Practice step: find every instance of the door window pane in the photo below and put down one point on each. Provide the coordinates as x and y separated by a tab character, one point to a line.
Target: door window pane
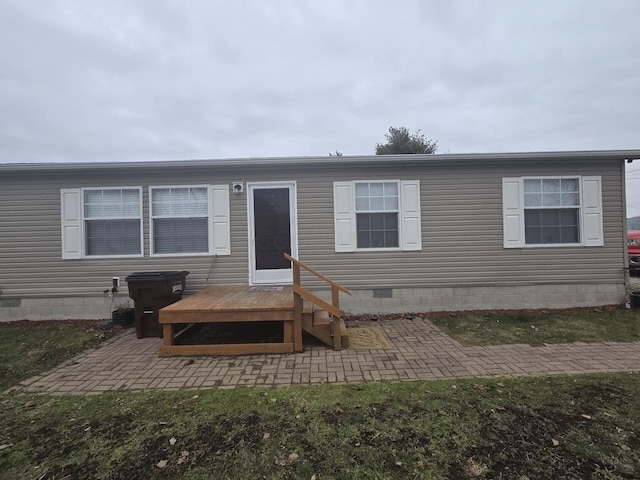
272	228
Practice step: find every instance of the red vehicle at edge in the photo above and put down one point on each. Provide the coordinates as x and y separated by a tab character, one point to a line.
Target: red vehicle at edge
633	243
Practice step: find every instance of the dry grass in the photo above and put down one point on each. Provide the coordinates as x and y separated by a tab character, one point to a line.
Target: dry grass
610	324
535	427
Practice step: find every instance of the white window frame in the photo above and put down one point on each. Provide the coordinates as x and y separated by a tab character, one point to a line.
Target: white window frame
276	276
590	227
74	242
217	221
153	217
84	219
409	218
72	222
396	211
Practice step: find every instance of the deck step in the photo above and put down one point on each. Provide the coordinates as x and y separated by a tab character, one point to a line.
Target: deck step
307	313
307	307
321	318
319	325
344	334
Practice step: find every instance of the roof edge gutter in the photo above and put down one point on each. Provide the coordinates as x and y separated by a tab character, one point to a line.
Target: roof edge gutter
628	155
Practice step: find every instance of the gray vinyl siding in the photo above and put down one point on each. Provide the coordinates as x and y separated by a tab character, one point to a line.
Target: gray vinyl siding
462	242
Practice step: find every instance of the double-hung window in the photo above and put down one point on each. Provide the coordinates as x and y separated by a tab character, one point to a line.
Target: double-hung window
107	222
112	221
101	222
377	212
377	215
552	211
179	220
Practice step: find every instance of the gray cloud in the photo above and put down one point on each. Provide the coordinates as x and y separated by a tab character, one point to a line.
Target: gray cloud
120	80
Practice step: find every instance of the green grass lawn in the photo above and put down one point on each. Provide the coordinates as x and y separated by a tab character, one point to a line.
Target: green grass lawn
553	326
584	426
27	351
535	428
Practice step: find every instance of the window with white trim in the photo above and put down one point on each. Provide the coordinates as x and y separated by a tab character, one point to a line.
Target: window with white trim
552	211
377	215
107	222
179	220
112	221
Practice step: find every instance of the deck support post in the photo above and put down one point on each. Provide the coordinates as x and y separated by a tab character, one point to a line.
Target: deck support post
167	334
297	311
335	300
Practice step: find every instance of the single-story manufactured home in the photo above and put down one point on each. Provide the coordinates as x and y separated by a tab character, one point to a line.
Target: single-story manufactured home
404	233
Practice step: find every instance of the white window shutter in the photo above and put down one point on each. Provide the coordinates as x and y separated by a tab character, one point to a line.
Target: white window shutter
592	212
512	213
344	216
71	216
220	232
410	215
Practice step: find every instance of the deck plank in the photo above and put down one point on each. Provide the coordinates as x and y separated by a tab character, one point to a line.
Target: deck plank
231	304
234	299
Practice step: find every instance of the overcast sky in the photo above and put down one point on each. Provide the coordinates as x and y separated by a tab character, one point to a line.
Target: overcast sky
128	80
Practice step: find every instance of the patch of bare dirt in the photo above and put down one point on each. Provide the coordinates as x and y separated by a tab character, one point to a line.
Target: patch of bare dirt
523	447
410	316
52	323
105	328
517	442
218	441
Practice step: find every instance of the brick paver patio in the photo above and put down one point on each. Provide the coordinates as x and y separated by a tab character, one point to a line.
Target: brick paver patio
421	352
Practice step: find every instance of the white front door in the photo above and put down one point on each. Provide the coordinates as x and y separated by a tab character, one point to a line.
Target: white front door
272	232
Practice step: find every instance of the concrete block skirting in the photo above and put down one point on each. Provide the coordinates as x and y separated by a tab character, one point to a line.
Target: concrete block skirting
62	308
483	298
392	300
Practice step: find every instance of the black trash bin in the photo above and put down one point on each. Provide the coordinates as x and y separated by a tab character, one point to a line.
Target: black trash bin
634	299
150	292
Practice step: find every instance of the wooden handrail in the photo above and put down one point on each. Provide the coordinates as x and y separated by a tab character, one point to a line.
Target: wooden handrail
299	293
333	310
319	275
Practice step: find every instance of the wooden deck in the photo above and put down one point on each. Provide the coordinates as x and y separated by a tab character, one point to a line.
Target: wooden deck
232	304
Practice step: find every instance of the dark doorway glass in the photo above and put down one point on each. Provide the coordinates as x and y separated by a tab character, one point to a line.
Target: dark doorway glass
272	228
